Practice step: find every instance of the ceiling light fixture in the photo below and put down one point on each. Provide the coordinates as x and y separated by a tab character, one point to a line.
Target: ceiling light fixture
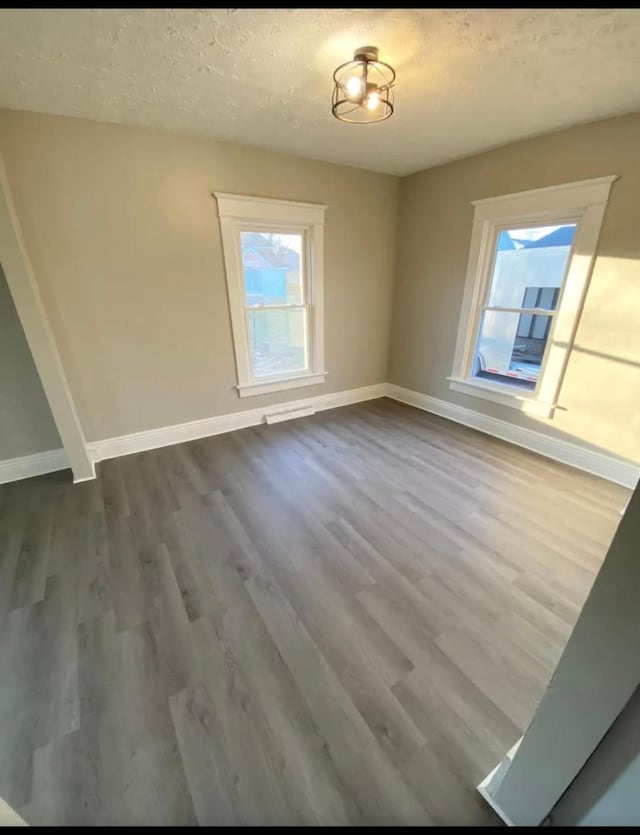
363	88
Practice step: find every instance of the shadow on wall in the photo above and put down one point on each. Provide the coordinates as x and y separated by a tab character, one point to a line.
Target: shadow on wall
610	357
599	402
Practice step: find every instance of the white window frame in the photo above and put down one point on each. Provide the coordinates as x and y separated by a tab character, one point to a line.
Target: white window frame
583	203
240	213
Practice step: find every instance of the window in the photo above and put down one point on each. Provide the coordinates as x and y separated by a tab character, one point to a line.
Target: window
529	264
273	253
511	342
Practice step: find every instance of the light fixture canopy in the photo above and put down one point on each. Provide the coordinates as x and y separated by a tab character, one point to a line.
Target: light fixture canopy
363	88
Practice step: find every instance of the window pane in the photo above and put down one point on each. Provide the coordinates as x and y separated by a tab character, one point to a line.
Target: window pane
272	266
529	266
511	347
277	339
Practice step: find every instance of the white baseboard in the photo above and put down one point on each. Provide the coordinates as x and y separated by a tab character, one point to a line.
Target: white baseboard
482	791
191	431
86	478
27	466
598	463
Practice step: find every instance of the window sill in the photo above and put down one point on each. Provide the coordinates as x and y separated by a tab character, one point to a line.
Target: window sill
284	383
501	395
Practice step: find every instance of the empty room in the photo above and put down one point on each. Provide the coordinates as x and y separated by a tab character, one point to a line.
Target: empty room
319	417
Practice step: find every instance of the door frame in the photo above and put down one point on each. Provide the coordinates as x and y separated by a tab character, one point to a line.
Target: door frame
25	293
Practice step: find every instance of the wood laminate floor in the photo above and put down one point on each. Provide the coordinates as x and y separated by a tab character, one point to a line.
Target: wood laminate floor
347	618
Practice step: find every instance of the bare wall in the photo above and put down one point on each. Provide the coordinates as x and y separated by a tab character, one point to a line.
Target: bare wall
124	239
600	397
605	792
26	422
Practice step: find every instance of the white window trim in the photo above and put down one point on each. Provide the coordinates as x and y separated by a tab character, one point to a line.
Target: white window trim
236	212
583	202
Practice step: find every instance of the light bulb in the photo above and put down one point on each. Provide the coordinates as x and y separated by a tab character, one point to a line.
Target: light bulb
373	100
354	86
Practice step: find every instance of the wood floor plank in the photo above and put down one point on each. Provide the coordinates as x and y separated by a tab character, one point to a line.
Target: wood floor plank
31	569
515	692
456	717
246	787
344	619
379	791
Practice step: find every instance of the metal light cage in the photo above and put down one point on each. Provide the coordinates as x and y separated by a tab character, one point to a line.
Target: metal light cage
375	77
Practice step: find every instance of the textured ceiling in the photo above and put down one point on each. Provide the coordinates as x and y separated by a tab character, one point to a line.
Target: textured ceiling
467	79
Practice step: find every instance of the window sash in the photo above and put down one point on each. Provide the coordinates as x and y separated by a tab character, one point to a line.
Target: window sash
281	229
488	267
534	311
306	279
307	341
275	306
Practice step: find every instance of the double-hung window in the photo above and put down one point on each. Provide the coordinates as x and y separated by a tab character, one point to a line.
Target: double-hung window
530	259
273	253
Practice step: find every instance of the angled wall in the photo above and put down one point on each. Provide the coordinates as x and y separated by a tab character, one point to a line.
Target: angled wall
26	423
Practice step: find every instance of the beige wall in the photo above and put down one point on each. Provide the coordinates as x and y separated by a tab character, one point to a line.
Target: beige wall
26	423
124	239
600	397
